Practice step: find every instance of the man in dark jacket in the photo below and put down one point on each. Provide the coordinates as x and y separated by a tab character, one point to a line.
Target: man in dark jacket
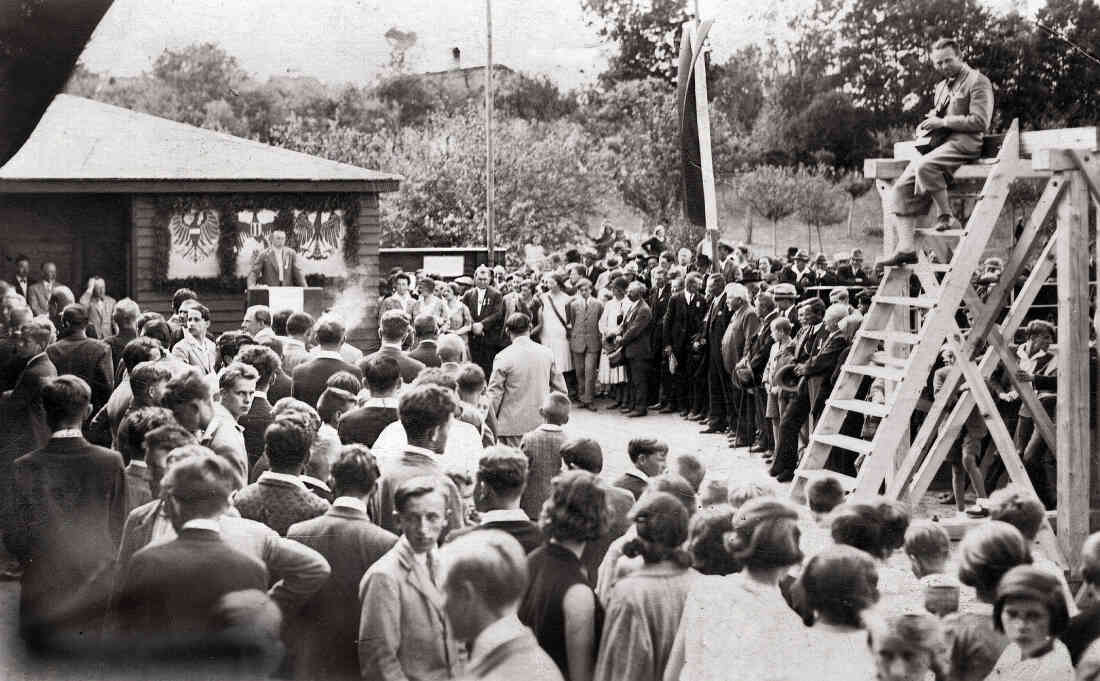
659	378
685	312
69	508
364	424
426	330
310	376
487	309
637	349
74	353
394	329
759	352
714	329
259	416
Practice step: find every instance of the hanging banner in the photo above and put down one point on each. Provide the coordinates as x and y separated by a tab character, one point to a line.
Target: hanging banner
194	244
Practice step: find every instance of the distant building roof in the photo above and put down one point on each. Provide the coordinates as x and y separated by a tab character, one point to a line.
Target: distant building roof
81	145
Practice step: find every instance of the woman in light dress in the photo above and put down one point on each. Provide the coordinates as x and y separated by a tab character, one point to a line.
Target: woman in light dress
459	319
739	626
430	304
614	378
555	330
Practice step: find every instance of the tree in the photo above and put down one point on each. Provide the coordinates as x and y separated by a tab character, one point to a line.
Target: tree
737	86
532	98
770	192
408	94
198	74
647	35
831	123
854	185
818	201
1071	79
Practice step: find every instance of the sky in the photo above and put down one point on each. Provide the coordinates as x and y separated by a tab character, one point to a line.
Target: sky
341	41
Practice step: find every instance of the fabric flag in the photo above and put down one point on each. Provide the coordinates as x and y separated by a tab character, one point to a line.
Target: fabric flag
694	205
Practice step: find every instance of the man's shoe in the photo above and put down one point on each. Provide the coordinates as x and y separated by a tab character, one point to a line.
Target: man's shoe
945	222
785	476
712	429
757	448
656	405
669	409
740	444
636	413
897	259
589	406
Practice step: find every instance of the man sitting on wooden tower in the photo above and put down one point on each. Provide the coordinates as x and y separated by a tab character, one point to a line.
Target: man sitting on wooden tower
949	136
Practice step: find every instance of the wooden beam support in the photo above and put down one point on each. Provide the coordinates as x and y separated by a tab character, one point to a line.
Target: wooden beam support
1032	143
1073	375
892	168
1026	391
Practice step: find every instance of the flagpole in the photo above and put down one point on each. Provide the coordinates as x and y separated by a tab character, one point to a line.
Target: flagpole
706	161
489	214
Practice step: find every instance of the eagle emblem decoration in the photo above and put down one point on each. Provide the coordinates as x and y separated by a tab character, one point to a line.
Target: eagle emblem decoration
318	233
195	233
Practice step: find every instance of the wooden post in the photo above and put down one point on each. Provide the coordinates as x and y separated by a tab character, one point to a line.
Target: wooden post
490	227
889	218
1073	375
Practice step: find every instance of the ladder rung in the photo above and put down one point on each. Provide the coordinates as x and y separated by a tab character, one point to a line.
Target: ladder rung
861	407
846	481
886	359
937	267
891	336
886	373
920	301
945	234
852	444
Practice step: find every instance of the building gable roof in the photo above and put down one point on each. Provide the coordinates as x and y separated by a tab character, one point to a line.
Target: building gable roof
81	145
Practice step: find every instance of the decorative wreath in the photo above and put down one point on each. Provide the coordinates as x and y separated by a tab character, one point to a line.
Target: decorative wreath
227	207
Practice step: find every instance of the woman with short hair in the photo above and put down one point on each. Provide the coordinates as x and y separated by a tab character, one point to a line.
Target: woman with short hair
909	647
560	606
739	626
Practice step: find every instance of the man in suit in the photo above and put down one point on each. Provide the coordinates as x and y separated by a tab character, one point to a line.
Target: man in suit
502	475
759	351
364	424
963	111
279	498
257	323
21	284
659	386
24	418
282	385
393	330
786	295
584	341
12	361
100	307
591	270
277	265
328	625
189	397
38	295
523	374
714	330
90	359
637	350
742	327
816	354
125	321
309	377
195	348
69	507
487	309
404	632
259	416
161	603
682	319
486	578
298	326
426	330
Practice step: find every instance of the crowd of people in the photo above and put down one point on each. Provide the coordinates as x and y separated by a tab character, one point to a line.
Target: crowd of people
272	502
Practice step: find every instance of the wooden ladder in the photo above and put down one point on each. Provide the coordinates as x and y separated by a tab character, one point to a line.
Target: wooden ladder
905	375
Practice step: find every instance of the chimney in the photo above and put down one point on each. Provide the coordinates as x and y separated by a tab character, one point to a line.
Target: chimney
456	55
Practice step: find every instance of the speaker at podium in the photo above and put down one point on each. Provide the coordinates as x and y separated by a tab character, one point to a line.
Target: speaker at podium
308	299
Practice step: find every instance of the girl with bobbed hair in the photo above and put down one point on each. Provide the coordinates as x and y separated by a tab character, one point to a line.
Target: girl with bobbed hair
1031	612
559	606
837	586
909	647
644	608
878	527
739	625
986	554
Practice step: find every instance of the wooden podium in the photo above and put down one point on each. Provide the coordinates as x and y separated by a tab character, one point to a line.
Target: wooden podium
308	299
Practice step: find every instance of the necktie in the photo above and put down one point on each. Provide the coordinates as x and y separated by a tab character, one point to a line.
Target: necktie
480	301
433	570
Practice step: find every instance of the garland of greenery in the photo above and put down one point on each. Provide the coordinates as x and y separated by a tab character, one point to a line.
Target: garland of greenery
227	207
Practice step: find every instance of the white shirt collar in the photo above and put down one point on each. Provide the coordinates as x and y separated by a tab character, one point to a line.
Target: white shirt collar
318	353
259	393
395	346
320	484
203	524
637	472
388	402
138	464
282	477
354	503
551	427
291	341
502	515
507	628
421	450
67	432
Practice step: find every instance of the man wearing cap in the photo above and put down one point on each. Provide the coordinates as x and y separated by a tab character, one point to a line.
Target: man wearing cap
655	244
797	271
591	269
786	295
823	274
728	261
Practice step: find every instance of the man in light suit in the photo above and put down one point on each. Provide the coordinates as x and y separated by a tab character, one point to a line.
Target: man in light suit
963	111
486	578
277	265
735	346
523	374
487	309
403	630
584	341
38	294
637	348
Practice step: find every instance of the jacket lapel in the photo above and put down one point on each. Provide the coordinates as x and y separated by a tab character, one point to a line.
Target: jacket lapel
418	577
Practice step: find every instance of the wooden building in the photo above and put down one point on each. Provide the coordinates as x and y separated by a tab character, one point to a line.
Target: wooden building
98	190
